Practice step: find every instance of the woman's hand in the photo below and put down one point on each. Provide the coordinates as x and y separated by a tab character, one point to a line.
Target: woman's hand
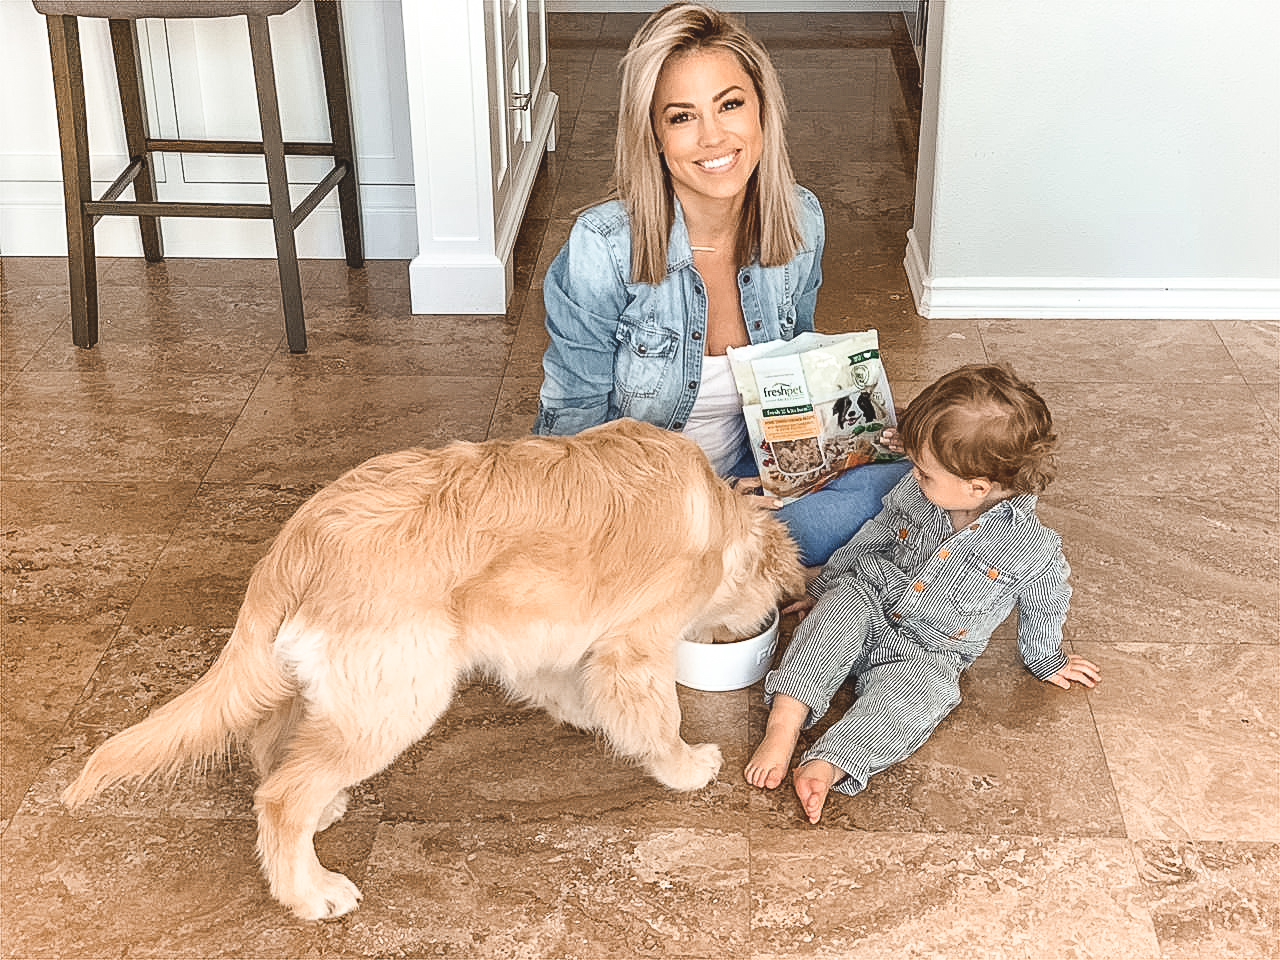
752	487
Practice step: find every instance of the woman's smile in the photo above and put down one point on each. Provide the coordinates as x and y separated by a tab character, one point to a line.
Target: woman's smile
718	164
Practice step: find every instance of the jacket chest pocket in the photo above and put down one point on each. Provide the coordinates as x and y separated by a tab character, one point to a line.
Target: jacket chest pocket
645	354
908	544
786	318
980	586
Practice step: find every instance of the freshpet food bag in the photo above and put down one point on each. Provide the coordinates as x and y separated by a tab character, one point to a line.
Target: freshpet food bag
815	406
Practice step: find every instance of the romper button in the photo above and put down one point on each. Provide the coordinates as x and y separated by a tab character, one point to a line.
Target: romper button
917	586
943	554
993	573
902	533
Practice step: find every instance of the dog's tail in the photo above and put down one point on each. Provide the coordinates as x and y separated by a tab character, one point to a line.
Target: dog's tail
240	688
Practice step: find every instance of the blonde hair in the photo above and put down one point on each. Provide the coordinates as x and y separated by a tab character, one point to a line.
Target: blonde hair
771	224
983	421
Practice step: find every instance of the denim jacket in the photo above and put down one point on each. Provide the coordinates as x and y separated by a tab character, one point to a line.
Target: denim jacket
624	349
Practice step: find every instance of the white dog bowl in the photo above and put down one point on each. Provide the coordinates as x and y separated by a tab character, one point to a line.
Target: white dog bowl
726	666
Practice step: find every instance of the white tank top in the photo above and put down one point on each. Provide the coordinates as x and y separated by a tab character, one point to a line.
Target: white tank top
715	423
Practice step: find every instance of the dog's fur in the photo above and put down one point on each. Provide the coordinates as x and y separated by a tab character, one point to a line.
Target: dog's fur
565	567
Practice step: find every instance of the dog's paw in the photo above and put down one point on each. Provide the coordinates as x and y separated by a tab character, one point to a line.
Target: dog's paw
688	768
331	896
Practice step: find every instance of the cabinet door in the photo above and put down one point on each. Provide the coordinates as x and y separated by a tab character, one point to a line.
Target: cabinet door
519	31
535	20
213	91
510	26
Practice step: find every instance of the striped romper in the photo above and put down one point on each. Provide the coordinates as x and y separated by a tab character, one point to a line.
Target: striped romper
908	604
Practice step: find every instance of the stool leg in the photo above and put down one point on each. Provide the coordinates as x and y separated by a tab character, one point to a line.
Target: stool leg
73	135
277	183
124	42
337	96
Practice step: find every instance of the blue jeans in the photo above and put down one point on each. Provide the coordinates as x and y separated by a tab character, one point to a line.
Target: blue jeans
823	521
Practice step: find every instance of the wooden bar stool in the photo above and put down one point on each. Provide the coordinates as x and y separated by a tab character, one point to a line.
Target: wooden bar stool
83	211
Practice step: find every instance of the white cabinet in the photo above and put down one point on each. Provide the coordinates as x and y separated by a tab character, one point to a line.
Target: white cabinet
482	115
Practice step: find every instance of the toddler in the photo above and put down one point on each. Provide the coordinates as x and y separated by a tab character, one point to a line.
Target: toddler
911	600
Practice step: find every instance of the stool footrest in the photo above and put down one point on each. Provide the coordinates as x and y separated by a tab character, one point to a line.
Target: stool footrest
318	193
160	208
291	148
127	176
109	206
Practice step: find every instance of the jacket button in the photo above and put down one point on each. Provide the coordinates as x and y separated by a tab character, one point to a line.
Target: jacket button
677	425
746	278
696	335
693	384
642	349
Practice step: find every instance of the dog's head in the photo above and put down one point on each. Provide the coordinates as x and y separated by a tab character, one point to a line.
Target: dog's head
842	411
761	568
644	498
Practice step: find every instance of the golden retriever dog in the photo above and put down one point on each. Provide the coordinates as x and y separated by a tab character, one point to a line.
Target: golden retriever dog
564	567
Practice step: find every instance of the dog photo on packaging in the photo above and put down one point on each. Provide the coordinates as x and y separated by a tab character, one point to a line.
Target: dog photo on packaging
566	568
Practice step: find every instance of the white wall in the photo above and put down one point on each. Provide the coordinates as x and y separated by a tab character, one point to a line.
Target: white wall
1100	158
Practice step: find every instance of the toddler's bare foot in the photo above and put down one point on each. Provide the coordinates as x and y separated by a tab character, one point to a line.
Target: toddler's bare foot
768	765
771	760
813	781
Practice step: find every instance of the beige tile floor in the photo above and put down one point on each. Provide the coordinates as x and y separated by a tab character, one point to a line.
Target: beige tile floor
143	478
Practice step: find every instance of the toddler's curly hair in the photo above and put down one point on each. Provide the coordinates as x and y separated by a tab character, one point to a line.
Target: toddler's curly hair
983	421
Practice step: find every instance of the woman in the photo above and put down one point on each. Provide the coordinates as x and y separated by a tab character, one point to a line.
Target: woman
708	243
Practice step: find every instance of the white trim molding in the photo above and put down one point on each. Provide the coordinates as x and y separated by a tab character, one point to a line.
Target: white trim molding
1098	298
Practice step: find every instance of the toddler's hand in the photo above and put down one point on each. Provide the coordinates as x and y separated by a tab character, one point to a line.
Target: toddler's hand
801	607
890	438
1078	669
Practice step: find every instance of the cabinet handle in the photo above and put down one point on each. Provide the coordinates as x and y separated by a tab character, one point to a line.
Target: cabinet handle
521	101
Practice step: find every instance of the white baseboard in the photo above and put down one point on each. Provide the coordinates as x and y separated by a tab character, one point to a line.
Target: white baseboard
453	285
1099	298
